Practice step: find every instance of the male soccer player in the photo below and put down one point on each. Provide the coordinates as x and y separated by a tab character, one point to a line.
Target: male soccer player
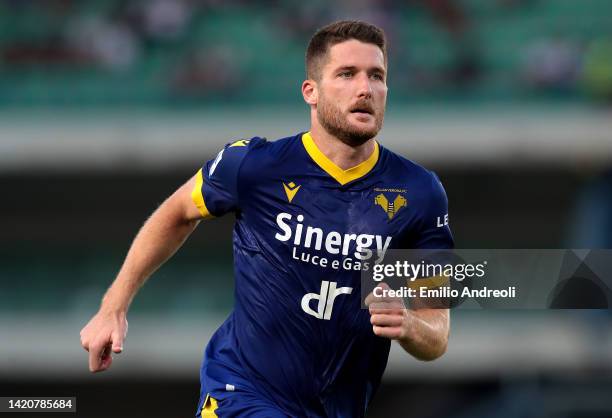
311	211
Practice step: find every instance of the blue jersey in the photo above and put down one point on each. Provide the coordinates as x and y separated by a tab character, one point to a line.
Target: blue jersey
297	338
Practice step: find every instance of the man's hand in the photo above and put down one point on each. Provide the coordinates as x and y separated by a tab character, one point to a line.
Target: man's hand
423	332
389	316
102	336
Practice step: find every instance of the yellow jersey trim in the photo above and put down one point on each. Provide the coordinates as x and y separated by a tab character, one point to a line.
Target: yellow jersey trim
240	143
340	175
197	197
209	407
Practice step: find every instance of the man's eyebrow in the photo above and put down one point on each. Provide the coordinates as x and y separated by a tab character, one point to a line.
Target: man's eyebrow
346	67
354	68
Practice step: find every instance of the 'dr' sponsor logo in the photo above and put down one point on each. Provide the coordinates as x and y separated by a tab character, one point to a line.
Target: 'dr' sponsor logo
325	298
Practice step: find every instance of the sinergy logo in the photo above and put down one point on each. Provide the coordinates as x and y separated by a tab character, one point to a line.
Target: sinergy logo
363	246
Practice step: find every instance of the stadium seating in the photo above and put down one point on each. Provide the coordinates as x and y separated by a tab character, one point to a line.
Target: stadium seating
272	59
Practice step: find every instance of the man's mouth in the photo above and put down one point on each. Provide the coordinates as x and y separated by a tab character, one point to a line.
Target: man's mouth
362	110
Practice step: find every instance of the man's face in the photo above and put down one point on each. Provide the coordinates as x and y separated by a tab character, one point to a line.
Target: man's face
353	92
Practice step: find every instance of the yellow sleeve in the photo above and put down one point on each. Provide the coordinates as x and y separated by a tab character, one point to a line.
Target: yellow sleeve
198	197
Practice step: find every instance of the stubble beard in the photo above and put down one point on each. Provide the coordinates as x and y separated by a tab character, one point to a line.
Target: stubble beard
335	123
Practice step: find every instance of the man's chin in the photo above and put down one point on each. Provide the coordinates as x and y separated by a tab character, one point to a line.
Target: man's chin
352	131
358	135
363	130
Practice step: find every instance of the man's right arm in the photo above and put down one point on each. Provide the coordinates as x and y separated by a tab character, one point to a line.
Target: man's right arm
158	239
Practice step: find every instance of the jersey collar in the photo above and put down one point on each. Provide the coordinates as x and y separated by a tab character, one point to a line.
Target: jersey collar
341	176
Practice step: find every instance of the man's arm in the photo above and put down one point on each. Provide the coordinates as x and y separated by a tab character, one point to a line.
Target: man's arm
423	332
158	239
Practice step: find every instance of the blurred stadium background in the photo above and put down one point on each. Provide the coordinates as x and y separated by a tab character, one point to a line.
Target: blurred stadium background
107	106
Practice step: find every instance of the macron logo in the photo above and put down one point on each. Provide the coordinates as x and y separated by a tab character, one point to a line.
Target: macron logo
325	299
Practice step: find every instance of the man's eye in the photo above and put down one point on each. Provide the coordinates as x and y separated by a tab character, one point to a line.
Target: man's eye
346	74
378	77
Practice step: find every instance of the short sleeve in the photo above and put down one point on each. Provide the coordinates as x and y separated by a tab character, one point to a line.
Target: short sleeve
434	231
216	190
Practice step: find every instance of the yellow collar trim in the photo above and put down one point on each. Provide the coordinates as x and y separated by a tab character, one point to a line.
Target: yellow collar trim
340	175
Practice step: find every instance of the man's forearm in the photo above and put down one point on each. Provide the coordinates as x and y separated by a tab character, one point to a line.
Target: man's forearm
426	336
158	239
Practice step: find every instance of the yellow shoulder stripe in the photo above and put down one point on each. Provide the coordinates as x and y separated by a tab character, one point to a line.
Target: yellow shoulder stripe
340	175
198	198
240	143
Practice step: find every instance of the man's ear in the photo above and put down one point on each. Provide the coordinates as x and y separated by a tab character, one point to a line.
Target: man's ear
310	91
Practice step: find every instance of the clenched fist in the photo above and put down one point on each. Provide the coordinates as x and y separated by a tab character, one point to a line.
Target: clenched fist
422	332
388	315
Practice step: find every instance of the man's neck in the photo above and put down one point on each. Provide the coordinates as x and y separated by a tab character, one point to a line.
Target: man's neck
343	155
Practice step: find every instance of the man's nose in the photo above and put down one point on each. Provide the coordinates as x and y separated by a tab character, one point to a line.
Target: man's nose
364	86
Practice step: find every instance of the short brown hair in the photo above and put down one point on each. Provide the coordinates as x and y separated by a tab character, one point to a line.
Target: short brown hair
335	33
